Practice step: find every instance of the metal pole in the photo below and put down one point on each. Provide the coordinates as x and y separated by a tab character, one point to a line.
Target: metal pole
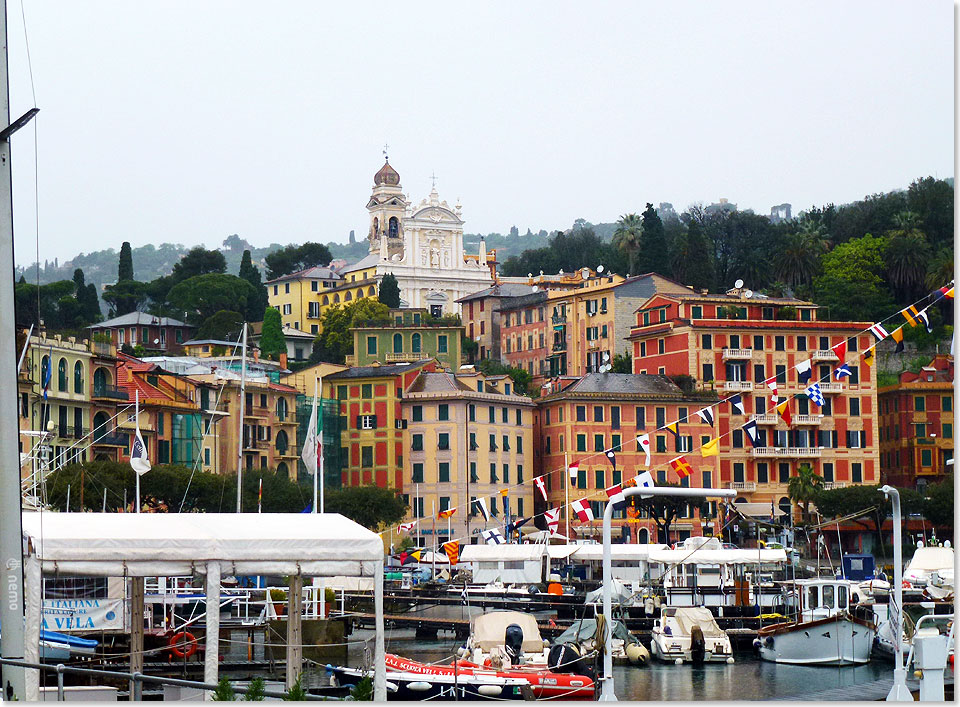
68	500
566	493
320	438
11	557
136	410
899	691
104	508
607	693
243	404
317	472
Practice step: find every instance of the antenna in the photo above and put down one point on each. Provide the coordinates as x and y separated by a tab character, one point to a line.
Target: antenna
738	284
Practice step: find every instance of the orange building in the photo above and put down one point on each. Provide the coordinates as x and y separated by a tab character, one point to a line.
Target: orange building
602	411
734	344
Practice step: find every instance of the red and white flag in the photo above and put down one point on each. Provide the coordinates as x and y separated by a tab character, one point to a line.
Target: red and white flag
538	482
553	519
583	510
644	442
573	469
406	527
772	385
615	494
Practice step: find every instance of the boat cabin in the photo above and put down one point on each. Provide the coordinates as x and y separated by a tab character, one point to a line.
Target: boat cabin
513	564
823	597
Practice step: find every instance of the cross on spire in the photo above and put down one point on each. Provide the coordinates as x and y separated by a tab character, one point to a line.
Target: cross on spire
385	148
433	179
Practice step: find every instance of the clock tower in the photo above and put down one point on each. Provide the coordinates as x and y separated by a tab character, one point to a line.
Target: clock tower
386	206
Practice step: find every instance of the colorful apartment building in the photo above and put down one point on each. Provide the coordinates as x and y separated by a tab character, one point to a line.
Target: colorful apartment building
153	333
411	335
481	315
916	425
107	399
467	436
572	332
297	296
734	344
577	423
371	429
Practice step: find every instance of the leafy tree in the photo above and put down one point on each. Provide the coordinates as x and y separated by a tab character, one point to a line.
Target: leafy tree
578	248
938	506
256	690
664	510
125	267
932	201
198	261
251	273
622	363
627	238
225	325
653	243
852	285
272	341
521	378
803	488
841	502
698	258
363	690
224	691
124	297
469	347
372	507
202	296
335	342
235	243
294	258
389	291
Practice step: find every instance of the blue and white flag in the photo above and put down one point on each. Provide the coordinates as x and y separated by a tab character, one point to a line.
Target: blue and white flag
644	480
47	374
813	392
842	371
706	414
803	371
493	536
751	429
138	455
736	401
482	505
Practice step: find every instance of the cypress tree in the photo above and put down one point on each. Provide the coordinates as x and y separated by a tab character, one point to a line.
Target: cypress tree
125	269
389	293
251	273
272	341
699	260
653	255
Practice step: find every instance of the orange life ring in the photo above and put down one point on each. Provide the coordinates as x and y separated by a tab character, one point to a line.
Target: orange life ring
189	639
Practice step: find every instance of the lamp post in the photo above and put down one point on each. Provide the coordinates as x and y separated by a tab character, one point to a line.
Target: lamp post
607	693
899	691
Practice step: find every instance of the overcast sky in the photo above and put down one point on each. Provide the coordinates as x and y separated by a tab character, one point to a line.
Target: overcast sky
188	121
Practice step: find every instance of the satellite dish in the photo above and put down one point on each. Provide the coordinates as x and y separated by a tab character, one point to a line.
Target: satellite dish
529	274
561	271
156	341
606	356
738	284
536	289
599	268
748	294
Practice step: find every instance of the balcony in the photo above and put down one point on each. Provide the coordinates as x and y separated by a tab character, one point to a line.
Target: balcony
558	319
827	355
737	385
560	345
831	387
402	357
807	419
109	392
742	485
765	418
729	354
785	452
827	485
109	438
350	360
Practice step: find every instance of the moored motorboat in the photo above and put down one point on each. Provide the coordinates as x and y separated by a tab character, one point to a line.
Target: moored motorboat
832	628
410	687
689	634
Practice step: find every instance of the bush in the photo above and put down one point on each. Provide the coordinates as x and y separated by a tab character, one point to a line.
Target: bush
224	691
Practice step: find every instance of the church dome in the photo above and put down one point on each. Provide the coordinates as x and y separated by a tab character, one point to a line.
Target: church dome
387	175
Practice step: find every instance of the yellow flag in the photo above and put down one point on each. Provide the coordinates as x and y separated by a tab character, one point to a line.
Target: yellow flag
503	492
672	427
868	356
711	448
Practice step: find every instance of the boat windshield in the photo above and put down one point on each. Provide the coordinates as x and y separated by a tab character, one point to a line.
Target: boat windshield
828	596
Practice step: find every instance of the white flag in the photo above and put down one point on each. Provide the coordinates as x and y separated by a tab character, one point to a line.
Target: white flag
644	480
482	505
311	443
644	441
538	482
138	456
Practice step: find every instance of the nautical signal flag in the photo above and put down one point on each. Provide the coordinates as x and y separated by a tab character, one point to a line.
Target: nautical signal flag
583	510
803	371
912	315
879	333
615	494
711	448
673	429
815	394
681	466
842	371
482	505
538	482
517	524
572	470
447	513
644	480
840	350
493	536
452	549
644	442
868	356
553	519
751	429
736	402
897	335
406	527
706	414
612	457
783	409
945	291
772	384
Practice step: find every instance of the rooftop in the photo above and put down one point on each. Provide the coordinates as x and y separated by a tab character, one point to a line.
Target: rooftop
317	272
368	261
377	371
504	289
139	318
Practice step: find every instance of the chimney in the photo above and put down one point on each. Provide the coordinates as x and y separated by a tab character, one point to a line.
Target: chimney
283	360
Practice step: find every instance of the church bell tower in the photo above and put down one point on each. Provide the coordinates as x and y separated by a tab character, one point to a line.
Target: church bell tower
386	207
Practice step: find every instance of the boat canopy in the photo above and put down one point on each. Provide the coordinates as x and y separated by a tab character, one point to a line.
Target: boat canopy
514	552
690	616
585	629
931	559
157	544
490	629
706	556
618	551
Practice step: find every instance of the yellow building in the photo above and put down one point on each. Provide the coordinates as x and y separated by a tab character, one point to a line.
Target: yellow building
304	379
298	296
467	437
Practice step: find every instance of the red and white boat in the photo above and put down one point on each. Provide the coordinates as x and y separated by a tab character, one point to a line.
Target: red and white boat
546	685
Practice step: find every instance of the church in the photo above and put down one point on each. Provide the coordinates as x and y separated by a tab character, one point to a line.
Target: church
422	246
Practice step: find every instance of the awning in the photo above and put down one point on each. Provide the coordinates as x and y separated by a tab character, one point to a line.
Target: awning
759	510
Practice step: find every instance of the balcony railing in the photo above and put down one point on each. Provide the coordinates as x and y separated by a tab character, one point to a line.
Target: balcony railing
807	419
71	431
737	353
560	345
765	418
737	385
109	438
831	387
558	319
404	356
827	355
827	485
785	452
110	392
743	485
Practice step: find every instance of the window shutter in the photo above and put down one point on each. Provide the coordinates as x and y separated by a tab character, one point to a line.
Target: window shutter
359	421
863	439
376	421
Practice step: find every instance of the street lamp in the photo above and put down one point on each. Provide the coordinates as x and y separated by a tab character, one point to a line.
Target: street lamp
899	691
607	693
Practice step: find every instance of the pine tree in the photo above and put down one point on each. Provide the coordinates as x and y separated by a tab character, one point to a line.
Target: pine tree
272	341
699	260
78	281
125	269
255	690
389	291
251	273
653	249
224	691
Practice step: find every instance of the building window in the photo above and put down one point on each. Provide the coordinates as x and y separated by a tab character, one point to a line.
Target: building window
947	404
598	445
738	472
919	403
855	407
62	375
598	413
921	429
947	430
493	443
661	444
472	413
581	413
707	372
443	475
827	471
581	443
762	477
443	440
78	377
417	473
415	343
801	343
366	390
367	422
641	414
416	443
856	473
780	343
442	343
492	414
706	341
372	345
418	413
443	412
697	312
366	456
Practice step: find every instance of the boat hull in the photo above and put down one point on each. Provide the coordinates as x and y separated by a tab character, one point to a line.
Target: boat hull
664	653
413	687
837	640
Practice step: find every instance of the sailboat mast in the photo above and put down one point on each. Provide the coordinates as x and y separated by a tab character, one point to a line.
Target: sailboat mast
11	552
243	412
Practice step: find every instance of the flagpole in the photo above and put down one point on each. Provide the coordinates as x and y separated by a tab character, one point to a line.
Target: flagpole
433	512
316	471
416	514
566	490
243	403
320	441
136	413
260	495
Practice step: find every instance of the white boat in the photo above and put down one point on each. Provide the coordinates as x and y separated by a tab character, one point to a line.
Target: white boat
689	635
928	561
487	644
832	628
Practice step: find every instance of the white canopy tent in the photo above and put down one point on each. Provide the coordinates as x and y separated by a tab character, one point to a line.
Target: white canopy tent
212	544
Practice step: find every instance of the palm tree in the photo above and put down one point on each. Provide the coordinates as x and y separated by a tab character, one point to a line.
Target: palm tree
798	260
907	257
940	270
627	238
804	487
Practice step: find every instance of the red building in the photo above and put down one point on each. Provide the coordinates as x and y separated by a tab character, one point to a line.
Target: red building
916	425
734	344
153	333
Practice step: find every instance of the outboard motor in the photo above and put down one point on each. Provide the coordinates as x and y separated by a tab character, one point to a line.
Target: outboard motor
566	658
697	645
513	642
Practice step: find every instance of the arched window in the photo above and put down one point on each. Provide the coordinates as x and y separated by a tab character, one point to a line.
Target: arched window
376	225
283	469
336	298
100	425
360	293
416	343
643	536
784	505
100	381
398	343
281	409
371	291
44	370
62	375
282	442
78	377
394	227
347	297
326	300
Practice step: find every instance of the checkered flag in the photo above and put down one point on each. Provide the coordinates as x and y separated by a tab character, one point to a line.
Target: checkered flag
814	393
